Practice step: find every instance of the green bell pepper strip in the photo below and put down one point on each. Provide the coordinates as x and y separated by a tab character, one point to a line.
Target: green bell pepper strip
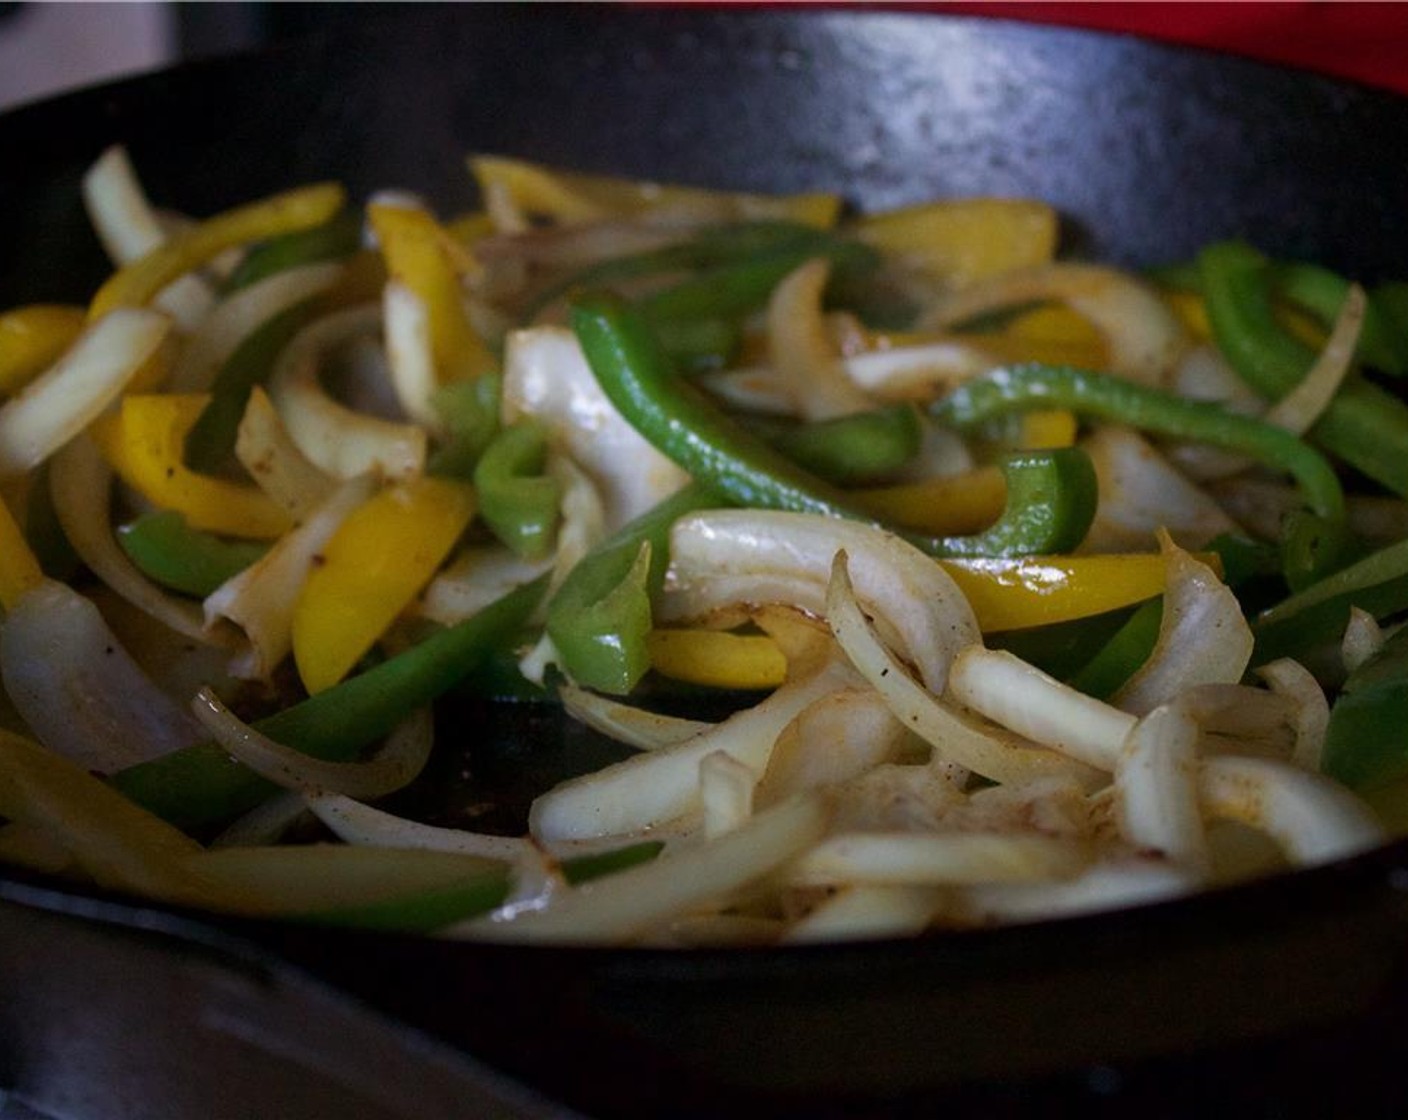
469	411
1104	397
1125	652
201	785
1364	743
1364	425
600	617
710	248
423	912
700	345
170	552
1050	495
1321	293
210	443
341	236
848	450
1317	615
583	869
517	501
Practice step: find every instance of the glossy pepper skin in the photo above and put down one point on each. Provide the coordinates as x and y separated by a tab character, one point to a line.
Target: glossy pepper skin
516	499
169	551
202	786
1358	752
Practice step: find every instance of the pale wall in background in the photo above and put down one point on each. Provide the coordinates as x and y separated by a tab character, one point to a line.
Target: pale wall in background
47	48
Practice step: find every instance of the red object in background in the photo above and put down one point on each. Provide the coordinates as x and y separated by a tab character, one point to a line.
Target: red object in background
1366	42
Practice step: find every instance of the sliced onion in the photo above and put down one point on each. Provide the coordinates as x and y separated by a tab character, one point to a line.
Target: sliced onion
1293	681
1143	336
1156	790
869	912
750	389
1204	374
367	826
341	441
266	823
654	788
1261	506
1105	886
629	904
756	556
261	598
1242	719
79	690
1313	819
1299	409
1141	493
395	766
725	793
81	484
546	376
1018	695
473	580
625	723
129	228
409	354
957	739
801	348
266	450
938	858
237	316
1363	637
63	400
1203	637
917	372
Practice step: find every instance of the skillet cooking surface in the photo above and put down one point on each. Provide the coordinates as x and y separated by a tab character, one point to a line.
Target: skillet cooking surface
1282	991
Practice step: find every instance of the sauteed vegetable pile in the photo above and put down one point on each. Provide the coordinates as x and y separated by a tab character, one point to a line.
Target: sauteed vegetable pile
1008	586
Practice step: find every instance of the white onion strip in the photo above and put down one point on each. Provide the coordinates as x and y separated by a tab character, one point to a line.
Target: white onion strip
368	826
1310	817
869	912
408	352
266	450
402	756
1298	410
938	858
1018	695
625	723
68	396
1292	680
958	740
1156	789
1105	886
725	793
801	349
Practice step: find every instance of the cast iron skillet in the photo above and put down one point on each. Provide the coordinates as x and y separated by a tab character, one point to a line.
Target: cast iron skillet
1280	995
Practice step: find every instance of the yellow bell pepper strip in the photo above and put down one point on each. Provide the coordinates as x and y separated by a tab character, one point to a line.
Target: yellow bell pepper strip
143	441
382	554
31	340
19	567
959	241
417	252
1009	593
338	237
571	197
171	553
137	283
200	786
956	504
1364	425
717	658
1050	495
1039	430
517	500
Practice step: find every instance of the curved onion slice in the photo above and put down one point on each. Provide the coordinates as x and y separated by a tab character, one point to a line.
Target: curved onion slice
1144	337
958	740
408	352
266	823
546	376
1203	637
79	690
938	858
260	599
1018	695
1298	410
1105	886
654	788
868	912
367	826
1310	817
266	450
625	723
1295	682
629	904
64	399
341	441
239	315
1363	637
81	483
473	580
395	766
801	348
725	793
915	372
129	228
723	557
1156	789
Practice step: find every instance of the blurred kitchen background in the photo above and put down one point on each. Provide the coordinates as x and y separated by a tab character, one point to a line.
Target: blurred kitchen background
49	47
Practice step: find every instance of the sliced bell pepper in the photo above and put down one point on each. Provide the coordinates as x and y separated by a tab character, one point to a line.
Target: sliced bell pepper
19	567
170	552
31	340
1364	743
143	441
717	658
469	413
571	197
382	554
137	283
517	501
421	254
340	236
849	450
956	242
962	503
